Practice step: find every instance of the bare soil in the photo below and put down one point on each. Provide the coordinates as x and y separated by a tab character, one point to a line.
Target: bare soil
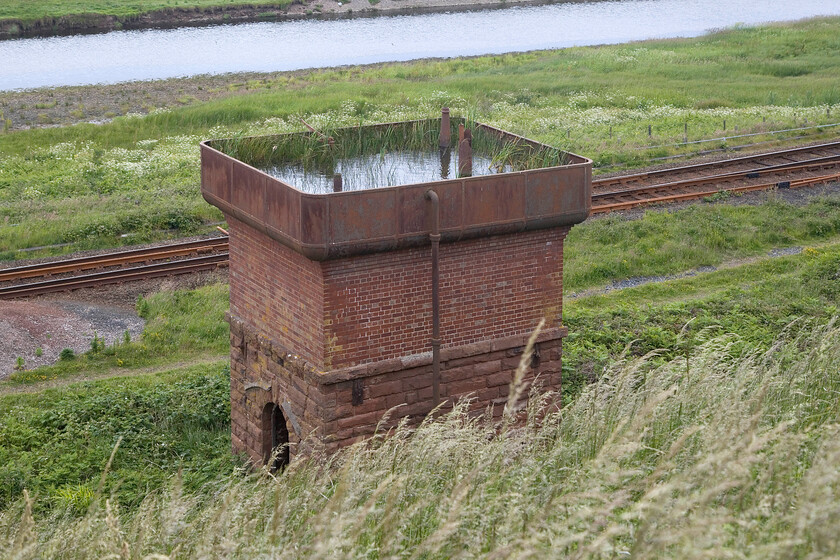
101	103
37	331
52	107
48	324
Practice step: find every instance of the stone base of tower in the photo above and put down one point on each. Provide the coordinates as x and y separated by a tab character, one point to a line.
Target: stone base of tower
326	410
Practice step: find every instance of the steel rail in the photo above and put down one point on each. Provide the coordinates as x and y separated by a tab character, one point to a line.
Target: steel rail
601	202
749	174
647	175
184	266
117	258
624	205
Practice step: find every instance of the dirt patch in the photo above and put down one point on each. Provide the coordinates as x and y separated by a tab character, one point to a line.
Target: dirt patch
52	107
38	329
101	103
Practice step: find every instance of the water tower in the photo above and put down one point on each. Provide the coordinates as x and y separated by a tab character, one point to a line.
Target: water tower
349	298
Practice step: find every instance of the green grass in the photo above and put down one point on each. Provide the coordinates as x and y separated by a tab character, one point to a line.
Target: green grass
29	11
90	184
311	152
180	325
691	405
709	425
615	247
703	456
754	303
700	414
56	442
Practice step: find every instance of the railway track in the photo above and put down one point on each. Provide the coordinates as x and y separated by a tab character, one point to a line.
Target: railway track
781	169
70	274
793	168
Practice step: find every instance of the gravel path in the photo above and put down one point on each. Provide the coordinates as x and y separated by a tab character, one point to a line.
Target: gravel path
642	280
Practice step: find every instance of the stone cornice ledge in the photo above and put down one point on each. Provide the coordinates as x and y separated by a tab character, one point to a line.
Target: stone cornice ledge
302	367
446	354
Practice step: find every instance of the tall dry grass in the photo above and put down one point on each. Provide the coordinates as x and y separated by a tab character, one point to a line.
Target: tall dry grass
705	456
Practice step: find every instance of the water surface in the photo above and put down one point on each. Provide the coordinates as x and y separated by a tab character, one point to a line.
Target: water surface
152	54
371	171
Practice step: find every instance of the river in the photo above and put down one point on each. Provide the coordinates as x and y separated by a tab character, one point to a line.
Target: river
270	46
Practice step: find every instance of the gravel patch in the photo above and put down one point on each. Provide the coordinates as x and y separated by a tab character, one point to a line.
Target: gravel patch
785	251
71	320
46	327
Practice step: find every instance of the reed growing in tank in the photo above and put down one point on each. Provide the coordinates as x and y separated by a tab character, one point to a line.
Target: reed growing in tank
385	154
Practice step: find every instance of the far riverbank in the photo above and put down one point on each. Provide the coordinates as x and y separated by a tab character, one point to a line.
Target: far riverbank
93	22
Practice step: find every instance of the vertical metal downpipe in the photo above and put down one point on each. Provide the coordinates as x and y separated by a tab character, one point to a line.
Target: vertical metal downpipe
434	237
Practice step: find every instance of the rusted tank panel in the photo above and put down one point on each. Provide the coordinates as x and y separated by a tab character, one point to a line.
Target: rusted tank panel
340	224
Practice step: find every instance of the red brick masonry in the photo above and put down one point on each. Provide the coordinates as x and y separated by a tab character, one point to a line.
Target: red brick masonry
367	308
319	406
306	334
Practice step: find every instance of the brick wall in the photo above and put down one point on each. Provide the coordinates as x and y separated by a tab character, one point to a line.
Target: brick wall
378	306
338	343
264	371
328	410
368	308
276	290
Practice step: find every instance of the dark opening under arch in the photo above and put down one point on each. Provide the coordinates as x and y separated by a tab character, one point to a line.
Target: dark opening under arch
275	437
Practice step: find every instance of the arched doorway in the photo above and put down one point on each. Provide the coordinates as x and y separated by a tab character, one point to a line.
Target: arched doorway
275	435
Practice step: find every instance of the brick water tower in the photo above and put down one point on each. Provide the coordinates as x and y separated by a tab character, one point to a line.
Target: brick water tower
349	298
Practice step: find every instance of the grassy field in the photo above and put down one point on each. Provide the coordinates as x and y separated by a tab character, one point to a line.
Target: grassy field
753	303
701	413
719	452
90	185
53	440
56	443
48	17
31	10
